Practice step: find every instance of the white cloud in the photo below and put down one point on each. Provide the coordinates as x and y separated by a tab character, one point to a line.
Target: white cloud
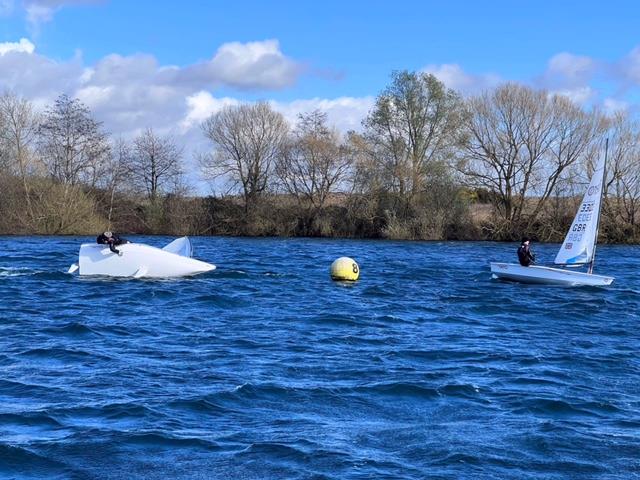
130	93
612	106
579	95
201	105
346	113
36	76
454	77
629	66
566	70
251	65
94	95
23	46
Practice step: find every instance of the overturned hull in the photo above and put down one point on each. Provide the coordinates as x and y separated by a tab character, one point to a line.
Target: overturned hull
137	261
547	275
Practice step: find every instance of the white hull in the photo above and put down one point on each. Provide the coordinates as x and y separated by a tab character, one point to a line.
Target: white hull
137	261
547	275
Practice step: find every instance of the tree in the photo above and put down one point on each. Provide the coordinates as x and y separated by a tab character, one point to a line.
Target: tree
624	171
247	139
412	126
154	163
17	134
314	162
115	172
72	143
519	143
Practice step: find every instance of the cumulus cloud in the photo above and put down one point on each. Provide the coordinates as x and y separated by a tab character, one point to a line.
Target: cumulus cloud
629	67
566	70
35	76
201	105
578	95
132	92
454	77
23	46
346	113
252	65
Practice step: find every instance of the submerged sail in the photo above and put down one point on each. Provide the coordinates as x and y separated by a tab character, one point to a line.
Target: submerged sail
579	244
180	246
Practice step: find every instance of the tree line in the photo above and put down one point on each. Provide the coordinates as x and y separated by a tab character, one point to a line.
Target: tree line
426	164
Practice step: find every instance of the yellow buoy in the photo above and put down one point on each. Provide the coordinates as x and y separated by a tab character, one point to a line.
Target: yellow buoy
345	268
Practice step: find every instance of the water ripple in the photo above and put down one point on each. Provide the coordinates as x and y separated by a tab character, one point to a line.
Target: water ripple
265	368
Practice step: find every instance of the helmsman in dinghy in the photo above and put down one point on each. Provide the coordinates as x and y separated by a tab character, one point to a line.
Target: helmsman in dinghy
525	256
108	238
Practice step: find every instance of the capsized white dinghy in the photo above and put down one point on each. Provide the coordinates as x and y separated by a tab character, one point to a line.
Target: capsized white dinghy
578	248
140	261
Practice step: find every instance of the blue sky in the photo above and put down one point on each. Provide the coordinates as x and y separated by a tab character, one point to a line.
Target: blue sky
349	48
169	65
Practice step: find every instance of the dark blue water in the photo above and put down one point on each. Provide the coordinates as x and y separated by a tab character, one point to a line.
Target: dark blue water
265	368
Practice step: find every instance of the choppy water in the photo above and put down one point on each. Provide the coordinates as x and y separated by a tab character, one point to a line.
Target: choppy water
265	368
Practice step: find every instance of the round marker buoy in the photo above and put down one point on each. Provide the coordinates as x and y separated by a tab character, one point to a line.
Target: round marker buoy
345	268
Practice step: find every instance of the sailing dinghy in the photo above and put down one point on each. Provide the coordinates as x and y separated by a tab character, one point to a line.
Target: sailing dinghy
578	248
140	261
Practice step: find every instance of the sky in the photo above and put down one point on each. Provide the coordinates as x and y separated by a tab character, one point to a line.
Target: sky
169	65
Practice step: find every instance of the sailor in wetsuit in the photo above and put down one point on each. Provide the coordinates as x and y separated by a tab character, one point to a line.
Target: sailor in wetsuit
525	255
108	238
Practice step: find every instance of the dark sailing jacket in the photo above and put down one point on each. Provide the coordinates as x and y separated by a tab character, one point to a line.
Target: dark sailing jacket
525	255
111	241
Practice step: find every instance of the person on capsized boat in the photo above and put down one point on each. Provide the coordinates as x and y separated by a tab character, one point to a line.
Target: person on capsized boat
525	255
108	238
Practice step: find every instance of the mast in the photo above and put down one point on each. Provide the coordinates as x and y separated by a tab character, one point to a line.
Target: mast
604	172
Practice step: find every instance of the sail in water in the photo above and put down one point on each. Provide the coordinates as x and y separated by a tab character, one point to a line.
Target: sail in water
180	246
579	245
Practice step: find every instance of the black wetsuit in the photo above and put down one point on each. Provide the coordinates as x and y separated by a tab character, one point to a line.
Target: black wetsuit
111	241
525	255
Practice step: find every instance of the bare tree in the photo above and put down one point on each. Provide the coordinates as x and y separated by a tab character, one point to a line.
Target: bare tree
115	172
247	140
5	162
314	162
19	125
155	163
412	126
519	143
575	139
623	184
72	143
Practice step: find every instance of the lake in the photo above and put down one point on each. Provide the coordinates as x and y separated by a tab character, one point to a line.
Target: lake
265	368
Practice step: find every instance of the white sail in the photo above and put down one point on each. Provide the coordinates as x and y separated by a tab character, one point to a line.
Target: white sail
579	244
180	246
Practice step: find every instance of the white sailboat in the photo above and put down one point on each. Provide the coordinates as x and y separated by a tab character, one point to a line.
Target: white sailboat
140	261
578	248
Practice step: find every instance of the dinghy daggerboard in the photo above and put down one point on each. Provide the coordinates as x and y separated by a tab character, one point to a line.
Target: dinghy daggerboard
138	260
578	248
142	271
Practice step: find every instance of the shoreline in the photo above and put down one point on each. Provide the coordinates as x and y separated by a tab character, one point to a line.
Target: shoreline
271	237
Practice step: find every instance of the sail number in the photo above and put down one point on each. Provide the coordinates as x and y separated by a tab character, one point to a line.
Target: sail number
574	237
579	227
586	207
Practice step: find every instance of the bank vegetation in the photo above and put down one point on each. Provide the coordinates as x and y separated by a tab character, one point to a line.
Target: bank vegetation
426	164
